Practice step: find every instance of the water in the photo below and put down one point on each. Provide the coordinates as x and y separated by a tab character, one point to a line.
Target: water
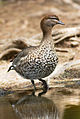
22	105
73	112
6	111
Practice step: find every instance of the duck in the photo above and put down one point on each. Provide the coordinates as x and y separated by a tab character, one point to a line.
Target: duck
38	62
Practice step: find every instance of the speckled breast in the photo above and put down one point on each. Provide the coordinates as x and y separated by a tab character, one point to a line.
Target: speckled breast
41	66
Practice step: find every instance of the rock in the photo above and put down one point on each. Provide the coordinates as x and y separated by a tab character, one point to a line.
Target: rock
74	44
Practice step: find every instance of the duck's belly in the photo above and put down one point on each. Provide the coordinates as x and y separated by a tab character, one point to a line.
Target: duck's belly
37	69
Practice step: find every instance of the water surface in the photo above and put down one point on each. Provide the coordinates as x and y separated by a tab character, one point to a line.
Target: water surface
23	105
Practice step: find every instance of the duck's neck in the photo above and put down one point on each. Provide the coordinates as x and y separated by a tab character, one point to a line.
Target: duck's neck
47	37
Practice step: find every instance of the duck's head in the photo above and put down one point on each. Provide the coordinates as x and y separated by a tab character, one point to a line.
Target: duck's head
49	21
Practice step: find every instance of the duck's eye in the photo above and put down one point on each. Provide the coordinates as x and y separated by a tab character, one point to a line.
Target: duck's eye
54	18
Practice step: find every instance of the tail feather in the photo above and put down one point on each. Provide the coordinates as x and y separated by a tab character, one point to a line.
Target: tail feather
10	68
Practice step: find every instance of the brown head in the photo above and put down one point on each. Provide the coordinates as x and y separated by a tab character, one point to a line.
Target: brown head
48	22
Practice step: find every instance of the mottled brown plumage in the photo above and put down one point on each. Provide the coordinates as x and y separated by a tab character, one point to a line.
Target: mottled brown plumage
40	61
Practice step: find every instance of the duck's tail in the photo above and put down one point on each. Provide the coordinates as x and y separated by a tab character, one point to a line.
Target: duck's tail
10	68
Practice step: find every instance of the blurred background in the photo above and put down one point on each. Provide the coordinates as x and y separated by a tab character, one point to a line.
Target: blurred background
22	17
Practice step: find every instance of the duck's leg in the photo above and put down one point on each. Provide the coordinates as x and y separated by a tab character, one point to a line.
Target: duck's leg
44	84
45	87
32	81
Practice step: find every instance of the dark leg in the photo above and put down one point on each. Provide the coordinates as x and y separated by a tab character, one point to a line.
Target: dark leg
45	87
32	81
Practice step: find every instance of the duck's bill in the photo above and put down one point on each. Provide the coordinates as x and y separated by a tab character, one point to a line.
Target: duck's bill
60	22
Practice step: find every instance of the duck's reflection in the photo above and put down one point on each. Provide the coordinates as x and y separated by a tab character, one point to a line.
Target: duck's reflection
33	107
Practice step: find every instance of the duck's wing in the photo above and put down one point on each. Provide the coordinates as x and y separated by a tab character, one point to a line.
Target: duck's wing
21	54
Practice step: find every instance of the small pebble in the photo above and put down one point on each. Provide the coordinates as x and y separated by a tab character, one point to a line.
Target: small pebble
74	44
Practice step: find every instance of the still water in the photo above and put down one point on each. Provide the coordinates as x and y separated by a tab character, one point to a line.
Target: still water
22	105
